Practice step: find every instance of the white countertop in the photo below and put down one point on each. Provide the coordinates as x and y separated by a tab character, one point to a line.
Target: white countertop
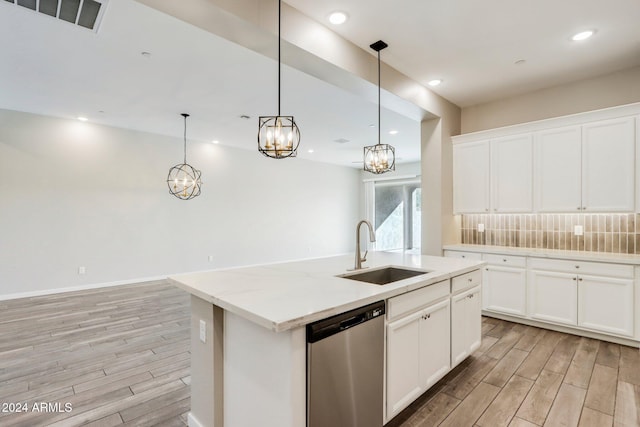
549	253
288	295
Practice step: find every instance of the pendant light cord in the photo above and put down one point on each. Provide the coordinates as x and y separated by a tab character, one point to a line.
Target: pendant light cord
185	137
379	139
279	43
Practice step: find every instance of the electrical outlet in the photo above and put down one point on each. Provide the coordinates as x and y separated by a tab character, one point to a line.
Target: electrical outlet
82	270
203	331
210	258
577	230
480	228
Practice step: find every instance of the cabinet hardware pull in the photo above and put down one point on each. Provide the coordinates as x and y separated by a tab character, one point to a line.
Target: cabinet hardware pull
504	260
486	269
470	279
577	266
580	279
578	208
574	278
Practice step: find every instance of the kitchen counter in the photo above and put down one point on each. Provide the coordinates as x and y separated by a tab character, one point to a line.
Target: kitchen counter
248	334
613	258
288	295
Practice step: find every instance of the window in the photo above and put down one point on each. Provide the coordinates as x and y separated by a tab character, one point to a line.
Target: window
396	214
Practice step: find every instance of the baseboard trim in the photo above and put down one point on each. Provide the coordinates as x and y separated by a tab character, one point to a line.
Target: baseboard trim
566	329
193	421
79	288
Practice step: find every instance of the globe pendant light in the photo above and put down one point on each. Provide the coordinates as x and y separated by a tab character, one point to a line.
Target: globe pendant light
184	180
379	158
278	136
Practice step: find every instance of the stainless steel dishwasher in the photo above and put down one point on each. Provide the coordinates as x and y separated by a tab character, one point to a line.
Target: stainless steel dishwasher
345	357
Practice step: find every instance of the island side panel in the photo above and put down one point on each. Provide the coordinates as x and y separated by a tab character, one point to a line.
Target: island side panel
206	365
264	375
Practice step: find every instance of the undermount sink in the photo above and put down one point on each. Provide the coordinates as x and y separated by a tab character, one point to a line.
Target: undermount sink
384	276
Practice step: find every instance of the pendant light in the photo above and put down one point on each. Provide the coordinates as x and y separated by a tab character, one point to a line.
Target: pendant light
184	180
379	158
278	136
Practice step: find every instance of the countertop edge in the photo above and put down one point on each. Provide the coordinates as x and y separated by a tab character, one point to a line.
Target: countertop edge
613	258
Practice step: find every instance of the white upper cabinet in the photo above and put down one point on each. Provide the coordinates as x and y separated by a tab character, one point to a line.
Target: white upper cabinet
558	171
511	174
608	160
471	177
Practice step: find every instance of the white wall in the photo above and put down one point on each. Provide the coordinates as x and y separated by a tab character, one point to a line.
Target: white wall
78	194
609	90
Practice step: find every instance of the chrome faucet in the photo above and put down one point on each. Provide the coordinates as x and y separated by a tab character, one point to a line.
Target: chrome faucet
372	238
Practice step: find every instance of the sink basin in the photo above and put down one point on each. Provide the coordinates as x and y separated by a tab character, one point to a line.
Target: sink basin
384	276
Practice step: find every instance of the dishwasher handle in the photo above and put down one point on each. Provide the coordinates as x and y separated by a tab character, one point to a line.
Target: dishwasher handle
353	321
325	328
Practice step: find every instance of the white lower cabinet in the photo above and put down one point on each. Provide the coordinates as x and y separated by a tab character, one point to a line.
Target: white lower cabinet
418	354
404	384
553	297
505	290
466	325
606	304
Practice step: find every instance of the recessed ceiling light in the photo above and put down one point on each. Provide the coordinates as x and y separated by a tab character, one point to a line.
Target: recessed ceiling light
372	125
435	82
337	18
245	117
215	141
583	35
393	132
310	150
146	54
520	61
83	119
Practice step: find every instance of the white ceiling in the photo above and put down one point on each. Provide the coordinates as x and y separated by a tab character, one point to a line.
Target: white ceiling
54	68
473	45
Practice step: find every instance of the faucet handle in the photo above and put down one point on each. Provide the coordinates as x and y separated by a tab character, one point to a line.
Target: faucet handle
364	258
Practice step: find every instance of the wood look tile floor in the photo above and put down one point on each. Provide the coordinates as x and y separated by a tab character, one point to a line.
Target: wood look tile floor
120	356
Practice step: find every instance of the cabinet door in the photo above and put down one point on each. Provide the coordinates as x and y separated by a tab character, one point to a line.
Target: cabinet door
557	174
505	290
466	328
608	171
512	174
435	343
471	177
403	363
553	297
606	304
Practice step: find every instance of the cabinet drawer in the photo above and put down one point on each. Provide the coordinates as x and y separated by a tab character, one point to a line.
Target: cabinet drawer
465	281
415	300
582	267
506	260
464	255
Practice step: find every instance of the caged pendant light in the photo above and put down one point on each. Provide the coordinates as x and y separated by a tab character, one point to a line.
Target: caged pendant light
379	158
184	180
278	136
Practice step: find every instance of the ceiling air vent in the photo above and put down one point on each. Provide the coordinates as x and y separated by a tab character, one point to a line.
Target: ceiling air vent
85	13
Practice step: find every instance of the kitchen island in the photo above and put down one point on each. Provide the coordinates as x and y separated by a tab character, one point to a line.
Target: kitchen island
248	339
